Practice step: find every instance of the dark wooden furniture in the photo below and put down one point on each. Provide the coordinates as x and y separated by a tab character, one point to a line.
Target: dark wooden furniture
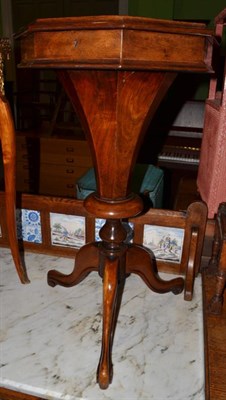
217	264
7	139
116	70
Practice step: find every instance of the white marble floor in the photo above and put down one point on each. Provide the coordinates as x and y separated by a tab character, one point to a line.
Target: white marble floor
50	338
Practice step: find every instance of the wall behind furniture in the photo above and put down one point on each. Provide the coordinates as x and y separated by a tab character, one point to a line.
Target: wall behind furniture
152	8
192	10
196	10
26	11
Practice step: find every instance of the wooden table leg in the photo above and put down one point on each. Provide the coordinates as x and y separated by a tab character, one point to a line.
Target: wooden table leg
7	136
87	260
110	286
114	260
140	262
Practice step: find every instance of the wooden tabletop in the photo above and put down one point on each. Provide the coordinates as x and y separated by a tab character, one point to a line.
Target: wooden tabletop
117	42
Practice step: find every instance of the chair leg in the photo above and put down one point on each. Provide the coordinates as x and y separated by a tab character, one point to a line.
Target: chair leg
7	135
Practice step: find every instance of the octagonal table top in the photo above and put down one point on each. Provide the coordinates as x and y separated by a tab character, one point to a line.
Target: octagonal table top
117	42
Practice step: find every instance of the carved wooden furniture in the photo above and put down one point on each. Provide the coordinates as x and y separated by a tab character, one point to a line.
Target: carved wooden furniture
7	139
218	260
211	172
116	70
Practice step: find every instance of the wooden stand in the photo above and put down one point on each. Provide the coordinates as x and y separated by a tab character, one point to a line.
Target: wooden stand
112	258
116	70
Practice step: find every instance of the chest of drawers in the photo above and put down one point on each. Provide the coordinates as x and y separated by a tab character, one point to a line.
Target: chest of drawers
50	165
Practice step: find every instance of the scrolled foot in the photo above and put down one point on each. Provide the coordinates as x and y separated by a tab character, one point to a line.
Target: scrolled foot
140	262
179	288
87	260
55	278
50	280
104	376
24	278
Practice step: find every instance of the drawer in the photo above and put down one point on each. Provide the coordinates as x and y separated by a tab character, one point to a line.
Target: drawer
73	46
27	167
62	146
65	159
52	180
61	189
154	50
65	152
57	172
53	151
25	147
60	181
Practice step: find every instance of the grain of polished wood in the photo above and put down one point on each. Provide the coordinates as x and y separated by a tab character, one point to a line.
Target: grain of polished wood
7	394
127	43
116	70
7	138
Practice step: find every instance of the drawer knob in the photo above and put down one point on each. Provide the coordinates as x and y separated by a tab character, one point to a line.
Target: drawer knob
69	160
70	149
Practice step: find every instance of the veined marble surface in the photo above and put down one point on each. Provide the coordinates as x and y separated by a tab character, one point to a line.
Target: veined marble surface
51	337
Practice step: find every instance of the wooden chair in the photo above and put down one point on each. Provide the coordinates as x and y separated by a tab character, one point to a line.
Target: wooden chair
7	138
212	165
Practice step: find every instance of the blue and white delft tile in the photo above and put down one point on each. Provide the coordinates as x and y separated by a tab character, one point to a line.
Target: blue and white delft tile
99	222
29	225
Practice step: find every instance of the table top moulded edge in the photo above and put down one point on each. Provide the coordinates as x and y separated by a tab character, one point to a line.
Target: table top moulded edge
128	43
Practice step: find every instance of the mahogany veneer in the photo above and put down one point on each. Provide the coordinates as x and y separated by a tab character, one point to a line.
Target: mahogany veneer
116	70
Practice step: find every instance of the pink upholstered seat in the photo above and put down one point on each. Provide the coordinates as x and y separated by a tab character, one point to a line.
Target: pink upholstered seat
211	179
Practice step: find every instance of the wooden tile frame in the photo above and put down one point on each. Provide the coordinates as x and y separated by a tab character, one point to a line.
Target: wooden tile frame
192	221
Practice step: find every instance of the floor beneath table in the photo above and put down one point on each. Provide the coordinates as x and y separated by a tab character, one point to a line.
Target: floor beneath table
51	338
